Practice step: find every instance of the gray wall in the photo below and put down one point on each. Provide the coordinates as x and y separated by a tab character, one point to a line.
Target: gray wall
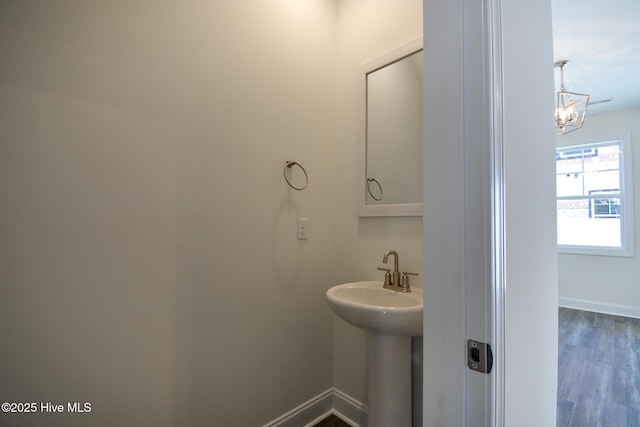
148	256
607	282
366	30
149	261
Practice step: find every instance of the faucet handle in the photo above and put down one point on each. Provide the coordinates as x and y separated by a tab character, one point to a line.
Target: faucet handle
387	276
404	281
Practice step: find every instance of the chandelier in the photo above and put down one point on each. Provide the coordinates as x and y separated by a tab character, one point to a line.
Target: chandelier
571	107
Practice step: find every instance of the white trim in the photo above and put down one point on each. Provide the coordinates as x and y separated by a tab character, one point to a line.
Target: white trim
401	209
498	214
600	307
306	412
364	209
627	232
339	415
349	409
331	401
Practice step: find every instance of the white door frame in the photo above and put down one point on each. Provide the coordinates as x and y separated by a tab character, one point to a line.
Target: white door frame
471	216
443	249
462	260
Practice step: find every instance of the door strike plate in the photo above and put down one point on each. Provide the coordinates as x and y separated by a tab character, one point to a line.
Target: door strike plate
479	356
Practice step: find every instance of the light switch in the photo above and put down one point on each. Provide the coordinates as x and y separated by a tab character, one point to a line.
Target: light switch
303	228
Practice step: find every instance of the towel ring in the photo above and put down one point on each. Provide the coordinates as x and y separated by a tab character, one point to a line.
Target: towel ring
288	165
369	181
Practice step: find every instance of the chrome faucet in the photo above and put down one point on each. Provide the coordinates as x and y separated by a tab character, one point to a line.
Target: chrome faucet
393	280
395	275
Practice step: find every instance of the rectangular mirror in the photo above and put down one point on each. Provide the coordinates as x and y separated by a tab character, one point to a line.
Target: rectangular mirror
390	128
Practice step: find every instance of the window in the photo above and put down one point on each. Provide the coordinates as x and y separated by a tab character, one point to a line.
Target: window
595	198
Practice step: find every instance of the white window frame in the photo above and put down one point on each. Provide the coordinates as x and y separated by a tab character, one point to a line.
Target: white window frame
627	235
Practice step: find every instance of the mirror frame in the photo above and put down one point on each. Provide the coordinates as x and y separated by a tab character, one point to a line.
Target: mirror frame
365	210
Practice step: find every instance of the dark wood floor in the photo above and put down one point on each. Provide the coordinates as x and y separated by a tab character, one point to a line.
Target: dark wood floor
332	421
598	370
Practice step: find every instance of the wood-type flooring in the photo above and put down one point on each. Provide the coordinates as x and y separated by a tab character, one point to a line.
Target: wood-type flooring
598	370
331	421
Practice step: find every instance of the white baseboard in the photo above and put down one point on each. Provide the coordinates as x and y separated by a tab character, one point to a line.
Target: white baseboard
349	409
600	307
332	401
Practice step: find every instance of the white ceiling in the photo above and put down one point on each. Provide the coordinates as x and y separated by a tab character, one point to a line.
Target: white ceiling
601	39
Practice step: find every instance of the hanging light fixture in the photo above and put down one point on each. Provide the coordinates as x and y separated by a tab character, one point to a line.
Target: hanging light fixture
571	108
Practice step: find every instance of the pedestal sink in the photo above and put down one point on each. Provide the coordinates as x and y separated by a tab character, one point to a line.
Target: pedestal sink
389	319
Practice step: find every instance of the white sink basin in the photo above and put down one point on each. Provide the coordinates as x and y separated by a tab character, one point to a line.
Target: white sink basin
367	305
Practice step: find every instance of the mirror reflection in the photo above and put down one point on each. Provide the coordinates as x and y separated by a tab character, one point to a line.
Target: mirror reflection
394	132
390	129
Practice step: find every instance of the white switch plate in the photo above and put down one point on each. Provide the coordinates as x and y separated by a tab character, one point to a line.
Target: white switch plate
303	228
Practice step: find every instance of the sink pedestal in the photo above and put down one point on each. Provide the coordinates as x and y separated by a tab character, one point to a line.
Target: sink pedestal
389	376
389	319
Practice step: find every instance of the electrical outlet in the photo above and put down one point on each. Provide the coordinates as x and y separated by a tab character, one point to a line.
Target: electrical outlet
303	228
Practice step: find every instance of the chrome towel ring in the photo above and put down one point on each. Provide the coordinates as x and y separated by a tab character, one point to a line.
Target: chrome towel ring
369	181
288	165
